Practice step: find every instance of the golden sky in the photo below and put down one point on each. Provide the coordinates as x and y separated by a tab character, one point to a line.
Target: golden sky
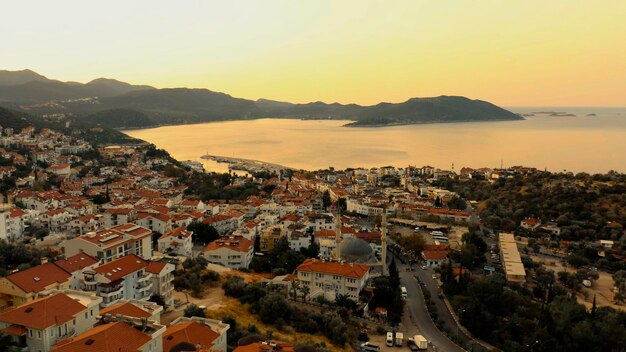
509	52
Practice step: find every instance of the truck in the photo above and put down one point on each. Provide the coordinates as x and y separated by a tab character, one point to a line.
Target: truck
421	342
399	339
403	292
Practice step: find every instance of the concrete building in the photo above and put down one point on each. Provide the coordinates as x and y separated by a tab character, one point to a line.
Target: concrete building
112	243
511	260
178	241
328	279
122	279
11	222
231	251
25	286
39	324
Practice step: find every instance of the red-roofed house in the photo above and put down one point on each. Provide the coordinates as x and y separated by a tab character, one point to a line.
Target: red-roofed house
434	258
231	251
39	324
177	241
160	223
25	285
326	278
205	333
116	337
530	223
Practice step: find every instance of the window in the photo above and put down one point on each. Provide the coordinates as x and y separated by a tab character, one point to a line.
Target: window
86	316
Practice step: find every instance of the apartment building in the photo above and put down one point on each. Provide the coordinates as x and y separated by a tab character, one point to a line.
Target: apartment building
11	222
329	279
231	251
162	280
124	278
112	243
134	309
38	325
177	241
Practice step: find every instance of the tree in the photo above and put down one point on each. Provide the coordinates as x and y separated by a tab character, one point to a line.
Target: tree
273	307
620	281
203	233
394	275
413	243
342	204
158	299
326	201
257	244
193	310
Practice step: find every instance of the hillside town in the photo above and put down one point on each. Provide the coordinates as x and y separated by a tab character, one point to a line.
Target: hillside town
123	248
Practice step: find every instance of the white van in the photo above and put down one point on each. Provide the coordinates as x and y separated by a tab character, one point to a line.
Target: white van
403	292
390	339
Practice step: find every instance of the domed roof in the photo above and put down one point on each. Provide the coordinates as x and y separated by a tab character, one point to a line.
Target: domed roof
356	250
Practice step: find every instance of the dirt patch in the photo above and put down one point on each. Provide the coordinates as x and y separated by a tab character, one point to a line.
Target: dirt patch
601	288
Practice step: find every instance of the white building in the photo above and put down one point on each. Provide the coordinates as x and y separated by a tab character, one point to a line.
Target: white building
178	241
39	324
232	251
124	278
11	222
328	279
112	243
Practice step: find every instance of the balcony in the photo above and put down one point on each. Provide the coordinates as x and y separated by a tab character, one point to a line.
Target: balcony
143	290
108	292
143	279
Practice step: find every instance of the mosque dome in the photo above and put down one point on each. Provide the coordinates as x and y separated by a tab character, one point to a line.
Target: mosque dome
356	250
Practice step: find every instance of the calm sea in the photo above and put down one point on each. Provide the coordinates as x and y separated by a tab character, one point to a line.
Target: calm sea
594	140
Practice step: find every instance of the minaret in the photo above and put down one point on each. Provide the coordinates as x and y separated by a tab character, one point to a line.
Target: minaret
338	235
383	241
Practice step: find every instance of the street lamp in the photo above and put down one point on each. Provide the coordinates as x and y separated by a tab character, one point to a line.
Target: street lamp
532	347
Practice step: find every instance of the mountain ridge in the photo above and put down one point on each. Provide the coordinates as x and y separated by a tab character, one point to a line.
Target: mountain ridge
145	106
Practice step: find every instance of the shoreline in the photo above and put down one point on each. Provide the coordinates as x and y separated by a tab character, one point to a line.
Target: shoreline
247	165
122	129
349	125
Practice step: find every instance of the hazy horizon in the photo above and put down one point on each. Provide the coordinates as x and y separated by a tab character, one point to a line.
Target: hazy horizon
514	53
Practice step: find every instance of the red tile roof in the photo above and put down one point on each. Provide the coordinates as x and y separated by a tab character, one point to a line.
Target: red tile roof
234	243
112	337
37	278
155	267
126	309
44	312
434	255
179	231
76	262
192	332
334	268
121	267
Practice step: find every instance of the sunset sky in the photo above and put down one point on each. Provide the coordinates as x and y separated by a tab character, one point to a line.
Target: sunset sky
512	53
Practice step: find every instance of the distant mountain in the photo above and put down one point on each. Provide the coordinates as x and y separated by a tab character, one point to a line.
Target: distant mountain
432	110
119	118
27	86
10	78
112	103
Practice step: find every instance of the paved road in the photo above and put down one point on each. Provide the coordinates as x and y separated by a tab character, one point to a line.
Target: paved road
419	317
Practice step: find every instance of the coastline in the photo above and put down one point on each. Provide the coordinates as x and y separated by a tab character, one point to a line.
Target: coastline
350	125
320	119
